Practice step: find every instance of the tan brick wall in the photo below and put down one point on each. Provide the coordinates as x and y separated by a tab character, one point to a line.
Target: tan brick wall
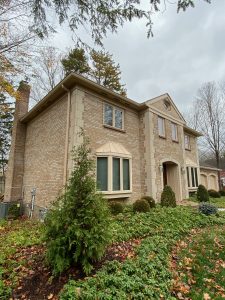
166	149
192	154
130	139
44	153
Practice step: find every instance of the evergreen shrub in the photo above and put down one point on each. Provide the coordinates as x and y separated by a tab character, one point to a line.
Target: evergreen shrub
168	197
222	193
141	206
78	224
116	207
214	194
150	200
202	194
207	208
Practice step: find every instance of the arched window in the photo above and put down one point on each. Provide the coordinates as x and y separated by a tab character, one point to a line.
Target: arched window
113	168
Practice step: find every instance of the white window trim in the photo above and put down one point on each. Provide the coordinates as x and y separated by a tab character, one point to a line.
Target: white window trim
114	107
189	144
174	125
190	177
110	174
164	127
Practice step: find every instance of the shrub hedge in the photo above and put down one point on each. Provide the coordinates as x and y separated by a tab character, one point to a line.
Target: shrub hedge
202	194
214	194
150	200
116	207
141	206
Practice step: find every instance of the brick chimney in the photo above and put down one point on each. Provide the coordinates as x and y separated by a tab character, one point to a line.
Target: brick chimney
14	173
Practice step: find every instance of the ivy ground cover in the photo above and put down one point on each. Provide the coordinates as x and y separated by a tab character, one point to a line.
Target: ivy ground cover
143	271
146	275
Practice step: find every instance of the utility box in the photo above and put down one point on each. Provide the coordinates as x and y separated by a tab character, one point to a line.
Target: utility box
4	208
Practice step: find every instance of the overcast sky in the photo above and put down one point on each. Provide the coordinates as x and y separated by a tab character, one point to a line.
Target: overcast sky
187	50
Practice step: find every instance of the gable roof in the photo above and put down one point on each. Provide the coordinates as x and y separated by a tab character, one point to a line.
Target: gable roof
166	96
71	81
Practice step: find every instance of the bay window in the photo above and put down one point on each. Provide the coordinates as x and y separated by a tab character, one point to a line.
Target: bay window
113	174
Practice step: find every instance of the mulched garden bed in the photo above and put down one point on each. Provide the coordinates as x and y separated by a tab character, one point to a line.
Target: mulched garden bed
36	281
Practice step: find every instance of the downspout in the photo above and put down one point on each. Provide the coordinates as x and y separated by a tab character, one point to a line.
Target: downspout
67	134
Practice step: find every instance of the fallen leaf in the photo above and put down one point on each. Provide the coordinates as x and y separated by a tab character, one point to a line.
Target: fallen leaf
206	296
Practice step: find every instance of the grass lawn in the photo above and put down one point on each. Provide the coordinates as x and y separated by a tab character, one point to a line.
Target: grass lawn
218	202
199	273
144	272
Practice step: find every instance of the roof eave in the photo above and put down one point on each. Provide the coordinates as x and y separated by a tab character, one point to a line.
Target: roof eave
70	82
192	131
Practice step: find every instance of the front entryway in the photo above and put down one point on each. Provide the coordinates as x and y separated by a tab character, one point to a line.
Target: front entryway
171	177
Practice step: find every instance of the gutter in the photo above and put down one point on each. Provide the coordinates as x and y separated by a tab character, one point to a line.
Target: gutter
67	134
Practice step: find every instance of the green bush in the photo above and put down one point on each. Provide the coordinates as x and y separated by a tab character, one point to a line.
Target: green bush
222	193
214	194
141	206
207	208
78	225
168	197
116	207
14	211
202	194
150	201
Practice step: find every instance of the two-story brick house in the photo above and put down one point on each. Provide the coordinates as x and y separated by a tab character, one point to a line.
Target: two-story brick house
139	147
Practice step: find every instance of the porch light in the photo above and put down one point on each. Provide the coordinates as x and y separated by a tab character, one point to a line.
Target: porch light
160	168
182	170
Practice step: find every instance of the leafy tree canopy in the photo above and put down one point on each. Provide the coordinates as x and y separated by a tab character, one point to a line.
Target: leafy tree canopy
98	66
6	120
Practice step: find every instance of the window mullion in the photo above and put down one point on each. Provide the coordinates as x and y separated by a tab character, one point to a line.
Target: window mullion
113	116
121	174
110	170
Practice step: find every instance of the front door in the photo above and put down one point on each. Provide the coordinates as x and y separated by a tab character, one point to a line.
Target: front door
164	175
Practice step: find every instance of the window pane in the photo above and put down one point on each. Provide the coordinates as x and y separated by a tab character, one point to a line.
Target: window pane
126	174
174	132
188	177
192	177
161	126
116	174
102	173
187	141
108	115
118	118
196	177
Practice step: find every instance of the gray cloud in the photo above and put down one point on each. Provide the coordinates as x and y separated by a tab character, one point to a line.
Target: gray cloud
187	50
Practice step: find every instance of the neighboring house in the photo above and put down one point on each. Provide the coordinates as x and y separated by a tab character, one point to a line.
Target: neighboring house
209	177
139	147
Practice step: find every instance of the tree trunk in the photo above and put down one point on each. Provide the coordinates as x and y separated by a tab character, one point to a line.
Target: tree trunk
218	167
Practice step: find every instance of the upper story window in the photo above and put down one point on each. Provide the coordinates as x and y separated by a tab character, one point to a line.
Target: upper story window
174	129
187	143
161	127
113	116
